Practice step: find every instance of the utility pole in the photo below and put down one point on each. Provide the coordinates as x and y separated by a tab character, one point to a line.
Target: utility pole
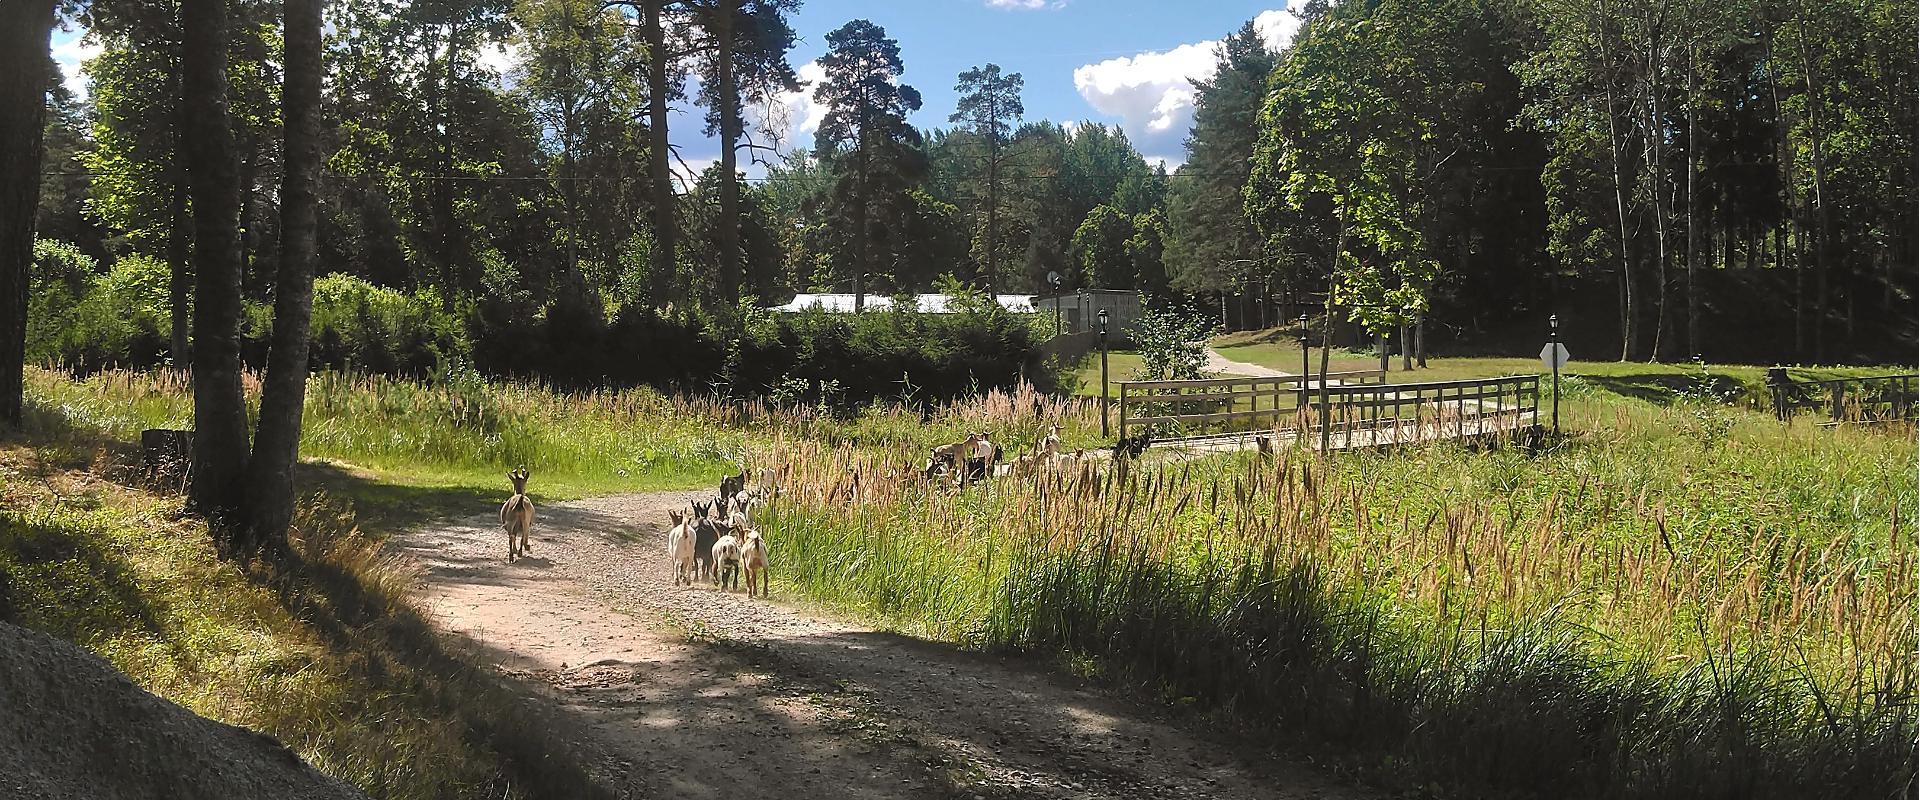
1306	371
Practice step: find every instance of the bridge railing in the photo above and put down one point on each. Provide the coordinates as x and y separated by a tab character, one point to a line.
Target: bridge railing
1212	406
1402	413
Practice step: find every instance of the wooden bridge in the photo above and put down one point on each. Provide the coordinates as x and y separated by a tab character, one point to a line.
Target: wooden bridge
1351	410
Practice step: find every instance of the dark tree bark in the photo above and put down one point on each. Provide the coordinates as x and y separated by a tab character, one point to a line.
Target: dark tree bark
219	407
25	26
653	29
277	441
179	248
731	129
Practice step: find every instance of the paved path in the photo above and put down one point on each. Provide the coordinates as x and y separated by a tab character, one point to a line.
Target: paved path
1219	363
691	692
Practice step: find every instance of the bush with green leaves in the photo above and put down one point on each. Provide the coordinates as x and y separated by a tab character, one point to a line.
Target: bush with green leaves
1172	344
87	319
368	328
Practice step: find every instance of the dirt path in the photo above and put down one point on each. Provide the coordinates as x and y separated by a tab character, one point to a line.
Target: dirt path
1219	363
678	692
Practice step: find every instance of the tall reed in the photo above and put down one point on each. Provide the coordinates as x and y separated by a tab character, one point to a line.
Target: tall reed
1642	613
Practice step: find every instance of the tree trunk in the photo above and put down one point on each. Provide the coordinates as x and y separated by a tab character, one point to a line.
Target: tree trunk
179	247
728	92
861	250
219	408
179	264
1406	353
993	208
665	274
1822	231
1420	341
1656	134
277	441
1693	208
1627	341
25	26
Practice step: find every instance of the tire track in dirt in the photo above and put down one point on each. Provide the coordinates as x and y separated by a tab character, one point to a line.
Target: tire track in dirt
691	692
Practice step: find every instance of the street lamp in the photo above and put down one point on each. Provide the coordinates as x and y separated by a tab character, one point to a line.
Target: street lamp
1553	348
1103	373
1305	370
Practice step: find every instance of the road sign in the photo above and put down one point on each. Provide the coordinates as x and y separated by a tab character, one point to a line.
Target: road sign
1554	355
1054	279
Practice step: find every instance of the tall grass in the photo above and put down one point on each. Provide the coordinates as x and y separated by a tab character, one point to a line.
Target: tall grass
1655	609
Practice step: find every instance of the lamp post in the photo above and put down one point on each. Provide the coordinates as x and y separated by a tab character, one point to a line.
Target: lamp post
1553	341
1305	371
1103	374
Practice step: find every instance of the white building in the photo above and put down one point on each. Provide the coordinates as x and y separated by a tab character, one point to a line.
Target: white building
928	303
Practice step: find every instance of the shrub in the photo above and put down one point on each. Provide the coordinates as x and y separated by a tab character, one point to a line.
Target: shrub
360	326
88	320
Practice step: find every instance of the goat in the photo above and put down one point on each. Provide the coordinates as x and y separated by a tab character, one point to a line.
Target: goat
1132	446
516	515
1051	444
705	533
726	559
680	549
732	485
753	559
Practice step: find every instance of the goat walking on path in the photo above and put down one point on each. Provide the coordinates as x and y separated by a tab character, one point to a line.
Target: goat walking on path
726	562
753	559
516	515
680	549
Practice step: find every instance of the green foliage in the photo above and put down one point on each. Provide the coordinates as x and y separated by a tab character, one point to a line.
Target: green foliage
360	326
84	319
1100	253
1172	344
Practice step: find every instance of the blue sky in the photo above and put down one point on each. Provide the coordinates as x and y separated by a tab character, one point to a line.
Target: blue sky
1124	62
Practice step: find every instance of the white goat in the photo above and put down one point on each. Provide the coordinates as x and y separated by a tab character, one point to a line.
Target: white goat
726	561
680	549
753	559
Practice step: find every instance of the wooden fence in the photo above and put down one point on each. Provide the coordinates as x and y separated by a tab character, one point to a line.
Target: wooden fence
1872	399
1403	413
1213	406
1353	409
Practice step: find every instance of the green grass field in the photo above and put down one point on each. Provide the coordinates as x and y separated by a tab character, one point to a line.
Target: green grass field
1680	597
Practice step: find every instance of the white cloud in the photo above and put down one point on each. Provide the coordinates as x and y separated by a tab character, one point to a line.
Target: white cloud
1025	5
73	54
1152	93
790	120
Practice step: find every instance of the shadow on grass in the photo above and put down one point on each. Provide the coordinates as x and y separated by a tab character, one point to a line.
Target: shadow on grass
383	506
1663	388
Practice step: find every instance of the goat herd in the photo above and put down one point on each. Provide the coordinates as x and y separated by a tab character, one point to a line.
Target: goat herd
720	547
716	542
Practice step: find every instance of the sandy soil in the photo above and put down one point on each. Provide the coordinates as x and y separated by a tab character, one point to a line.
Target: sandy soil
697	693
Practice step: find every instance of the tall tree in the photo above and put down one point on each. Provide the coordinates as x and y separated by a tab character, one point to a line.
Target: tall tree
1100	250
746	61
276	446
25	30
990	109
1211	246
219	407
866	130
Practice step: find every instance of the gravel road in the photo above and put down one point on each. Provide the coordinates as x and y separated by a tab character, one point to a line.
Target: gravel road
696	693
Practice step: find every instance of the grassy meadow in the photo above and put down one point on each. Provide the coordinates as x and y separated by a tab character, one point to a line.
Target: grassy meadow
1681	597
